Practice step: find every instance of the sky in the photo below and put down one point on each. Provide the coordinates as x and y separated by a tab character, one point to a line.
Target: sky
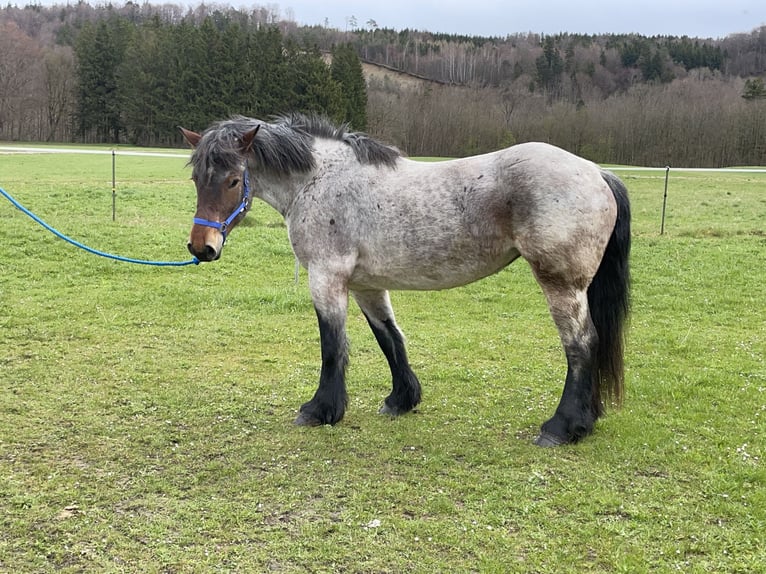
694	18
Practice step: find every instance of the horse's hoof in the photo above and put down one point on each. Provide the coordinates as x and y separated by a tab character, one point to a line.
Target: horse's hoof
391	411
547	440
306	420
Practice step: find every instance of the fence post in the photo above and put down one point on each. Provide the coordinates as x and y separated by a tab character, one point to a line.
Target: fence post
664	200
114	186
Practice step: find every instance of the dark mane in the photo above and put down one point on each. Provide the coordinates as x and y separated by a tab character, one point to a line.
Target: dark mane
283	146
366	149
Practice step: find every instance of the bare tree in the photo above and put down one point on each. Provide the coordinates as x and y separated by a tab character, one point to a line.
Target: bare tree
59	82
19	72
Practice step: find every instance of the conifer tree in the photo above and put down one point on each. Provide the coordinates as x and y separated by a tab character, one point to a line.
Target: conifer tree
346	69
755	89
99	51
313	88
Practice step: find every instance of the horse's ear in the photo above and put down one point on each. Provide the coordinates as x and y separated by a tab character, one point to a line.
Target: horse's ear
192	138
248	137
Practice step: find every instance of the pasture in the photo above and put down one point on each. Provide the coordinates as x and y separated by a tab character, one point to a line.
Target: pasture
146	413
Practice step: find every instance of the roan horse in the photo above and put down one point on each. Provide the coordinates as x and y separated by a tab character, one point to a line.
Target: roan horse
363	219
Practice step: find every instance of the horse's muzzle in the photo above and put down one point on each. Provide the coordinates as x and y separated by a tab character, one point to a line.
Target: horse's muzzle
205	243
208	253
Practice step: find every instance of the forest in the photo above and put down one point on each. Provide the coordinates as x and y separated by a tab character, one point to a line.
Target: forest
132	73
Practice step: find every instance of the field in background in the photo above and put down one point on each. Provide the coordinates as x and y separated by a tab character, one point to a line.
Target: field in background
145	414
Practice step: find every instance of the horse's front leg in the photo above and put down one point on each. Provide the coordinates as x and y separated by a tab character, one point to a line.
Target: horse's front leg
330	295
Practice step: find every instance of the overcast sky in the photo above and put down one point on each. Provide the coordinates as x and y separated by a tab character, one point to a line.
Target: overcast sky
695	18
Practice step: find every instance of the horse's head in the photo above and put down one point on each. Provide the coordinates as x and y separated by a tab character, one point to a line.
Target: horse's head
223	189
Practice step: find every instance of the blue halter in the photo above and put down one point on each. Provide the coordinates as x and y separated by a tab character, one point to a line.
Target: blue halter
239	210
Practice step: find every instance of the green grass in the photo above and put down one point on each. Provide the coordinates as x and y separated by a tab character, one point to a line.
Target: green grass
146	414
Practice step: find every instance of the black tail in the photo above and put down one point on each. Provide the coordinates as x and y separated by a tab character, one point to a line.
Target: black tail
609	302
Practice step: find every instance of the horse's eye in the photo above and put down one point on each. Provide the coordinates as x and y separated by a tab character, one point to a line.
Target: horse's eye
234	183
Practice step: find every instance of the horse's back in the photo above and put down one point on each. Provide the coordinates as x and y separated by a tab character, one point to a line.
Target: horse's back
552	207
439	225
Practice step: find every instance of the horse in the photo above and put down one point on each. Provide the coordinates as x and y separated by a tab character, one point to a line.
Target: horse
363	219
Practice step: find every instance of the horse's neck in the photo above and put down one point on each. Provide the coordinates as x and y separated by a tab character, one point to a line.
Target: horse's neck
280	191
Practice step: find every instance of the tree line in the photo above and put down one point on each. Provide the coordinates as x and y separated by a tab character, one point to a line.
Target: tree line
677	124
134	77
138	82
133	73
624	99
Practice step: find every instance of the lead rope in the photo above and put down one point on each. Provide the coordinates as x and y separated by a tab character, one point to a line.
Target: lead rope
17	205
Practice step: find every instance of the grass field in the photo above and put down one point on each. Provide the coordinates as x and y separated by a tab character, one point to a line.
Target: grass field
146	413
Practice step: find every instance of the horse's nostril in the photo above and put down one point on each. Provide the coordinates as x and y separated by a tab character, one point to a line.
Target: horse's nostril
210	253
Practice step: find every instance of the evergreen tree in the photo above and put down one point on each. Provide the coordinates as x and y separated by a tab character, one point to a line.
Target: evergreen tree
313	88
100	50
145	83
264	88
755	89
631	49
346	69
549	67
221	68
189	83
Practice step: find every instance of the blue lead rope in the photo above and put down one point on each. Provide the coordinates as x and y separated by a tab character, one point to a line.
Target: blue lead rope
60	235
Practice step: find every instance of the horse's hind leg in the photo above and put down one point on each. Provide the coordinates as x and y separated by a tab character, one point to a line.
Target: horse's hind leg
575	416
405	394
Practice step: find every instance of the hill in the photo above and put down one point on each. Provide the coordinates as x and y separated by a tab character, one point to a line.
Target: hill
612	98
